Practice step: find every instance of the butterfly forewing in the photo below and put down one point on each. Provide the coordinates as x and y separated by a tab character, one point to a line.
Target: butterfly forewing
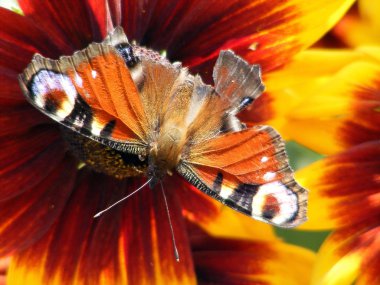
77	92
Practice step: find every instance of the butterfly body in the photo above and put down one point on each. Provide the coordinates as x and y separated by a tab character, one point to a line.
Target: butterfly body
139	114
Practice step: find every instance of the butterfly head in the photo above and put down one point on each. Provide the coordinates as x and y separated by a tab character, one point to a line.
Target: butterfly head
158	166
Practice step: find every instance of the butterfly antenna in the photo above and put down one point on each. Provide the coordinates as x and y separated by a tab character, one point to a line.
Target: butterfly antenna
121	200
176	254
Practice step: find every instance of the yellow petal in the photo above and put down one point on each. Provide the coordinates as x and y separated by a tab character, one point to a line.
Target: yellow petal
303	77
361	27
231	224
326	100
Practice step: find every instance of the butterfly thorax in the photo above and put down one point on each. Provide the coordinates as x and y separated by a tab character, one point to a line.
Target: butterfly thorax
165	151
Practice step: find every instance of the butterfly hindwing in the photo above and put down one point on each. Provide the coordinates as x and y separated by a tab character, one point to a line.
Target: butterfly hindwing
237	81
91	92
248	171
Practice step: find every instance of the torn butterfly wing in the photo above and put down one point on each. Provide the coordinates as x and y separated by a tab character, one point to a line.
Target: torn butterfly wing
248	171
76	92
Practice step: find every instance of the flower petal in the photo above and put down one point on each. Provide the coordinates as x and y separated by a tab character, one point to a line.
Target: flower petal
361	26
20	38
323	100
23	160
345	186
349	255
12	119
264	32
71	24
4	264
129	244
10	92
223	261
216	219
343	113
25	218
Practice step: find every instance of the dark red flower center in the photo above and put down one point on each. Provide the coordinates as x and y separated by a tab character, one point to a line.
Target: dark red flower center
102	158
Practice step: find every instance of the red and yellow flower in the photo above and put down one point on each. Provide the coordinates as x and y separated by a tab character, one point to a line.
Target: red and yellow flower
47	202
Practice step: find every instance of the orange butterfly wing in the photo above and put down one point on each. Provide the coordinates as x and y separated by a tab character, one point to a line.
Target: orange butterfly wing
248	171
77	92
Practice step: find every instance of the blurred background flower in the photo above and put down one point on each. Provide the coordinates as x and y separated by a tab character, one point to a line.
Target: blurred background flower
325	101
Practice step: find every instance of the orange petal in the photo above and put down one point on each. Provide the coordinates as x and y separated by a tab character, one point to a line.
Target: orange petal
264	32
350	256
223	261
4	264
130	244
344	189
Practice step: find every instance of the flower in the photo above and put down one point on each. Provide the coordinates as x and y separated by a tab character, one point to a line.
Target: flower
361	26
47	201
333	99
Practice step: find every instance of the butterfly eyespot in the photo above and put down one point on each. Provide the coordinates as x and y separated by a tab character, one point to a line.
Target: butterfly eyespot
271	207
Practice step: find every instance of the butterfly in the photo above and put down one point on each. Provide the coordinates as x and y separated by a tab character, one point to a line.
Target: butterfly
128	100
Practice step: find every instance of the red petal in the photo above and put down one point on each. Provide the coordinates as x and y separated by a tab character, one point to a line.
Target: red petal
10	92
129	244
16	120
346	186
70	24
26	160
20	38
195	205
25	218
136	16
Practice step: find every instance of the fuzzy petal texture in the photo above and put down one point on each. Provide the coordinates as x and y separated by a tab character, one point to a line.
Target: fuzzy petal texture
131	244
344	189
